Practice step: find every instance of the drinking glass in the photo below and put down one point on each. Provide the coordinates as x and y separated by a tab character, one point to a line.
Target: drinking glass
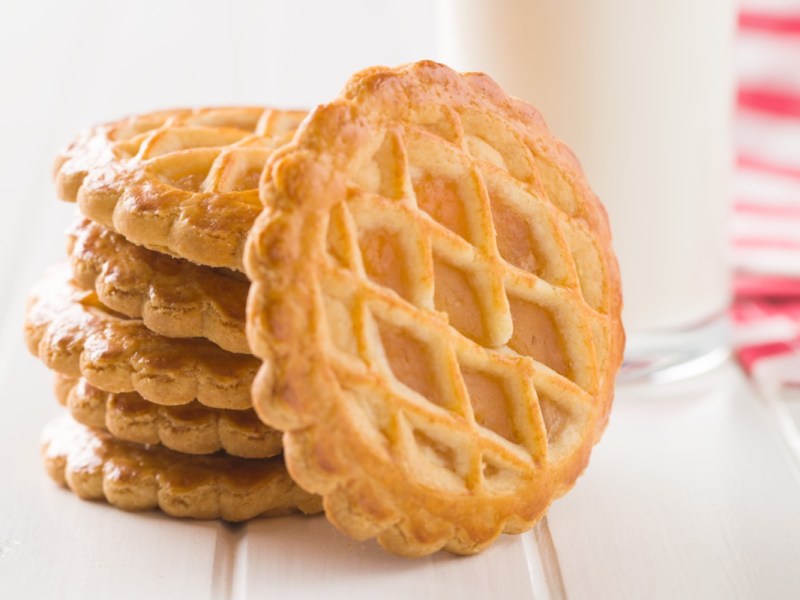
642	92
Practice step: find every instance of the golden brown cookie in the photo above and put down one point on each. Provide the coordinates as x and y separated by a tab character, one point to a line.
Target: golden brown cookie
181	182
190	428
130	476
75	335
438	307
173	297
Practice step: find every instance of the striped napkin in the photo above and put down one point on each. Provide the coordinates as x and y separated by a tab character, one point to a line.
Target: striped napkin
765	236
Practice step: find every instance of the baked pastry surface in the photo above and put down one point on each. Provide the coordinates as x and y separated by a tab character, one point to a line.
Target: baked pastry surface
438	307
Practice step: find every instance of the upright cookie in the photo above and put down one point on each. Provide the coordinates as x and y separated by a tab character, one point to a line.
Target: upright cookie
181	182
173	297
438	307
190	428
75	335
97	466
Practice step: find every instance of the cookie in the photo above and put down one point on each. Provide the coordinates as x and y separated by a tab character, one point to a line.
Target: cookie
173	297
75	335
97	466
190	428
180	182
437	304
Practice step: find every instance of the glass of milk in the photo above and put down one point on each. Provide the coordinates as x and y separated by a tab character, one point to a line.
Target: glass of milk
642	92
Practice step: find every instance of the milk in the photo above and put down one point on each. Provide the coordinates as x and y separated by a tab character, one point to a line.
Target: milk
641	91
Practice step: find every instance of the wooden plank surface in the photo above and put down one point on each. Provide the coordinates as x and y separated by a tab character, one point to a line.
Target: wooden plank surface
291	558
692	494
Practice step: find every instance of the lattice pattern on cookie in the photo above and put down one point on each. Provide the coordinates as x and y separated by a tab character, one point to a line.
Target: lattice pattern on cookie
190	428
173	297
451	275
97	466
180	182
75	335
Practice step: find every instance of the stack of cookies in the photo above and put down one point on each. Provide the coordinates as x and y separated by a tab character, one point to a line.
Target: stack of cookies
431	330
144	325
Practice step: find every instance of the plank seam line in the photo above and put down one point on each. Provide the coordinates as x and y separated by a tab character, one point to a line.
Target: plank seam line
227	551
770	397
548	562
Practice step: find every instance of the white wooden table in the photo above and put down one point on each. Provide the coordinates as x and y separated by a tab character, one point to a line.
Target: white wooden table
693	493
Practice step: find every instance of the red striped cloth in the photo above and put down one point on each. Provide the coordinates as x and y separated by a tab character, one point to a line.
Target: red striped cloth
765	236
